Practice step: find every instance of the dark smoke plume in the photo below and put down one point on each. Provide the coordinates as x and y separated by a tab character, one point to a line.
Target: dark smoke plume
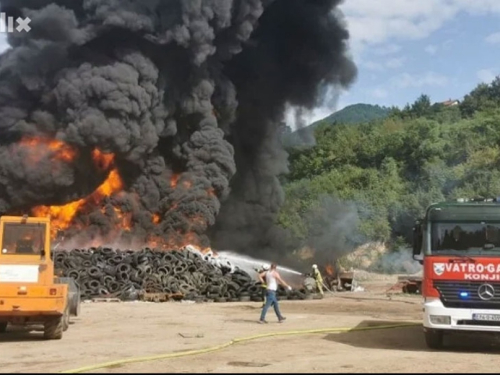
333	229
187	94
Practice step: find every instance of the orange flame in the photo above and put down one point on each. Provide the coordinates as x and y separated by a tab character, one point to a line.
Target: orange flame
174	179
329	270
178	242
42	146
102	161
156	218
123	219
62	216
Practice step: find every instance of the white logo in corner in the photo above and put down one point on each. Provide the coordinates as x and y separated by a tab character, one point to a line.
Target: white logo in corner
439	268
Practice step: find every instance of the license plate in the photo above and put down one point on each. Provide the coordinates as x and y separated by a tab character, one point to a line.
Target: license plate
487	317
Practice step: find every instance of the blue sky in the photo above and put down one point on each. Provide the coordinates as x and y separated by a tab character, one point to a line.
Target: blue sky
404	48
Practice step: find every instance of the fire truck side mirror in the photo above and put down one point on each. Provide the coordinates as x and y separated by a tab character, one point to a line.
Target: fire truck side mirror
417	240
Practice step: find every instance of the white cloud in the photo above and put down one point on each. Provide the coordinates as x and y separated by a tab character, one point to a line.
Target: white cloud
493	38
447	44
379	93
395	62
431	49
388	49
485	75
406	80
386	21
371	65
392	63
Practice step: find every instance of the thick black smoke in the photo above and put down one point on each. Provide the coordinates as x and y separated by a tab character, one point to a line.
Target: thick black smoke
187	94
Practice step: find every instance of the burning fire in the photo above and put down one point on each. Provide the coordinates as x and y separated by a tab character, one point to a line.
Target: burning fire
329	270
39	147
156	219
178	242
101	160
173	180
64	216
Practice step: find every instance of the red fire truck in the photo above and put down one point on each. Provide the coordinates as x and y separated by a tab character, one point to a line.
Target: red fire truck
458	244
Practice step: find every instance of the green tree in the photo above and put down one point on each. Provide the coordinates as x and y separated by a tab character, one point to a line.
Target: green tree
394	167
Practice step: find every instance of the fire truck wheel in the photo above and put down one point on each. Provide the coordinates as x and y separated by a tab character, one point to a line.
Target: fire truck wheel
3	327
434	338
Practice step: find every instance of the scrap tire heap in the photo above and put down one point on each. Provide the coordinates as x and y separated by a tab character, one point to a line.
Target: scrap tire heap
105	272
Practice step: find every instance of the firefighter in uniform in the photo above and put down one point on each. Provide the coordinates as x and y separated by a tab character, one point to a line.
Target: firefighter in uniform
319	279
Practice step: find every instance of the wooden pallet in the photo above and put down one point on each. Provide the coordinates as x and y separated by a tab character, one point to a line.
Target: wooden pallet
105	299
160	297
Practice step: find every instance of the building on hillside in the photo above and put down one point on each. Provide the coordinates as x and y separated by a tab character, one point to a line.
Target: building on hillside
450	102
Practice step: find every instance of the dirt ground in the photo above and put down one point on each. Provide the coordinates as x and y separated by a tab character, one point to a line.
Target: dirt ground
108	332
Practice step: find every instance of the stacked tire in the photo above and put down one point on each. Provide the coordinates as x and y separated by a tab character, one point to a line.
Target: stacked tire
125	274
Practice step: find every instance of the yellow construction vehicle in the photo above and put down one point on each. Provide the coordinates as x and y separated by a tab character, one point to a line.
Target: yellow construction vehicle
30	293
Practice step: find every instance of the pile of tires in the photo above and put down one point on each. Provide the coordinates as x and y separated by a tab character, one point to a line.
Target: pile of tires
125	274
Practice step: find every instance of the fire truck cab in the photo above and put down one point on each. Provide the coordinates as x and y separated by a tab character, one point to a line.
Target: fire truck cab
458	244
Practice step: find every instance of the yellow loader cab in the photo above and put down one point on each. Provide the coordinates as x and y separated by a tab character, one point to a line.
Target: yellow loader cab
30	294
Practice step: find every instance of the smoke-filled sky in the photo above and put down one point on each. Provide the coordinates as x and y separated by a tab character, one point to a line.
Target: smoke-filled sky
412	47
173	108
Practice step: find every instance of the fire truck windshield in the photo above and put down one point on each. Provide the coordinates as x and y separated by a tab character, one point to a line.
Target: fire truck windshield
468	238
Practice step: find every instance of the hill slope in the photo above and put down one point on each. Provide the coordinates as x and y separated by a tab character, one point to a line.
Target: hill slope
356	114
352	114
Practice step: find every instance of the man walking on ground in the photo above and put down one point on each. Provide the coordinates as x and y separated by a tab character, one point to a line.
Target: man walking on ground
272	278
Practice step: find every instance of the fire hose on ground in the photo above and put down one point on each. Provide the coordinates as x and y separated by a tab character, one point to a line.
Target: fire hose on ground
233	342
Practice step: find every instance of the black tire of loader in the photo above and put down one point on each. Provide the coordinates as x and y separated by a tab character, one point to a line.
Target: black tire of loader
3	327
75	304
66	319
53	328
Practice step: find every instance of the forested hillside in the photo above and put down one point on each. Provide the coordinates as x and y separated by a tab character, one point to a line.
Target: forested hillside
356	114
352	114
391	169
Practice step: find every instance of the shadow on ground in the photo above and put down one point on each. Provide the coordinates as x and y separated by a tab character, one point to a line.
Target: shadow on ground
412	339
21	333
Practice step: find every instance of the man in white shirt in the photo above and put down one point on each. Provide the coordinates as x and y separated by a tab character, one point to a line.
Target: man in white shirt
272	278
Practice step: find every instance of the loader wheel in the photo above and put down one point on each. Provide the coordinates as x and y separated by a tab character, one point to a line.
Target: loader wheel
433	339
66	319
3	327
53	328
75	305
